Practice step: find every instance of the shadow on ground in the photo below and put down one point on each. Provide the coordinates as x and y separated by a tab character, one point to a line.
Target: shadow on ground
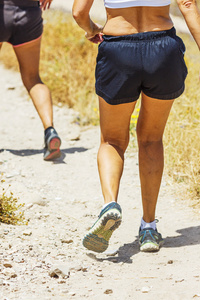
188	237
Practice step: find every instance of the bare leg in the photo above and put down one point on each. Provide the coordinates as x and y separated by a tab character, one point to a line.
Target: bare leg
150	128
28	56
114	123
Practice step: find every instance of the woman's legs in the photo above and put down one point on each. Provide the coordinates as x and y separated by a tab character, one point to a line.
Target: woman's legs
150	128
28	56
114	123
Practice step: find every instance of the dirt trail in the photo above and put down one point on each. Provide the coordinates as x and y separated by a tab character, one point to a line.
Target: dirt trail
62	199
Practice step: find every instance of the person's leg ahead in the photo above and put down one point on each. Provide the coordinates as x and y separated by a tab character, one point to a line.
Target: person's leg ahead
114	124
150	128
28	56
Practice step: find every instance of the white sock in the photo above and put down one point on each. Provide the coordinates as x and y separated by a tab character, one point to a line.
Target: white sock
146	225
107	204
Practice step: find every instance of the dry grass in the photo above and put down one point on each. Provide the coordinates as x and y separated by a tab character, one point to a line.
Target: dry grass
10	210
67	67
182	136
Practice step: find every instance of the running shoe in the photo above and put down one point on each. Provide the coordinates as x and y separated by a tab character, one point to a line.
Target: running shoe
99	234
52	145
150	240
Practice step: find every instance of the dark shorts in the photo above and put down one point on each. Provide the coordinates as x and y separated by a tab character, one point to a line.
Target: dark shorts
149	62
20	21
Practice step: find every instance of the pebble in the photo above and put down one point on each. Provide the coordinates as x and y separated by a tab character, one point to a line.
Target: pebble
108	291
145	289
7	265
27	232
60	271
66	241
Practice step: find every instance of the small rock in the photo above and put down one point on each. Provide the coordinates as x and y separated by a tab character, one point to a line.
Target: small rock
12	175
145	289
60	271
108	291
99	274
9	273
170	262
27	232
111	252
7	265
64	241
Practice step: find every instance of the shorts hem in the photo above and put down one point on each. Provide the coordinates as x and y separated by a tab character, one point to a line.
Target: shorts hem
167	97
22	44
115	101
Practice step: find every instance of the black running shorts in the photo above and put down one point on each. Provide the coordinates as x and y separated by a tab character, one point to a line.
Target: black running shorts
20	21
148	62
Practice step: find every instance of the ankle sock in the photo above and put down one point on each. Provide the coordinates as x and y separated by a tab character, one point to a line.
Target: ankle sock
147	225
107	204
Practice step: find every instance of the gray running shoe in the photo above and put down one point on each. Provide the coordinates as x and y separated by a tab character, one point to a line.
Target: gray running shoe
52	145
150	240
98	236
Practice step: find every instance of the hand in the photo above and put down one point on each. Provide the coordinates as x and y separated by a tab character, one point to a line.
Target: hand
96	35
45	4
98	38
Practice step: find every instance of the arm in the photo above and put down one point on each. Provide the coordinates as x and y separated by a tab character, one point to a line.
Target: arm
80	11
191	15
45	4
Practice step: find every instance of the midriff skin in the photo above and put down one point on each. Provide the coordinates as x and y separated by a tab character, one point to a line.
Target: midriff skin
132	20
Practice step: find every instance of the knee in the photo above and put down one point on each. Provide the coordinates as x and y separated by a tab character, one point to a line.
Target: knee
120	144
30	79
148	139
149	142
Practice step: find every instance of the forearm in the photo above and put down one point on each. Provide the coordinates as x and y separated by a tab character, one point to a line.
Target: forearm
191	15
81	15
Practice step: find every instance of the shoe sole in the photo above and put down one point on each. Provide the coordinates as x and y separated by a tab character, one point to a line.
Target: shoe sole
54	144
98	237
53	155
150	247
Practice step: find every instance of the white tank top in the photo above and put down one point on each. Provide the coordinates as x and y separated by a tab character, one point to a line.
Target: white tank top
132	3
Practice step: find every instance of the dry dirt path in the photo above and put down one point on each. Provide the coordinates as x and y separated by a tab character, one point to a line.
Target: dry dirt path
62	199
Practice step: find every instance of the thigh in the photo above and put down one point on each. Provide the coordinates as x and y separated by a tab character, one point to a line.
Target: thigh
28	56
152	118
115	121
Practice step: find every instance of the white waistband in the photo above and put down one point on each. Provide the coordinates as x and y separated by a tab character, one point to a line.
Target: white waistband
132	3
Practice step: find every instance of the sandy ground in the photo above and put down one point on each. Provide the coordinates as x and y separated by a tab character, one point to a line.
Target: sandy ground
62	200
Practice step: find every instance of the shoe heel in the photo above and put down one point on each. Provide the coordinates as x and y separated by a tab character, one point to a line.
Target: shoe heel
54	144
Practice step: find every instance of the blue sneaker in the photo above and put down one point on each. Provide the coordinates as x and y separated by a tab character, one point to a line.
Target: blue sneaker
99	234
150	240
